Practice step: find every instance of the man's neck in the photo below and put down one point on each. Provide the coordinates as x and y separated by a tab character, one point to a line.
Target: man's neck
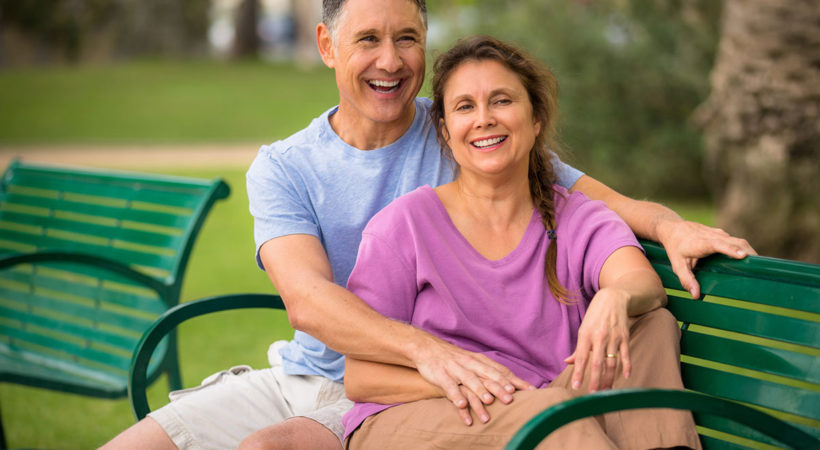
364	134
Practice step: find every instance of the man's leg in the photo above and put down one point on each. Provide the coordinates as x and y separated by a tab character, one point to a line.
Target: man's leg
320	428
225	410
144	434
296	433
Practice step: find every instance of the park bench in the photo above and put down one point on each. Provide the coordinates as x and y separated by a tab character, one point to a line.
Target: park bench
88	260
750	354
750	357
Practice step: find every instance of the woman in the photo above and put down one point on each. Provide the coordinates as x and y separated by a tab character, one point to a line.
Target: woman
502	262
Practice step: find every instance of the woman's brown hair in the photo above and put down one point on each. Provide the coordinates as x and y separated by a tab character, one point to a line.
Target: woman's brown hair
542	89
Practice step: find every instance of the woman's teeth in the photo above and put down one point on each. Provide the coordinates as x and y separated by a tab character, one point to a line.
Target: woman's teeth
489	142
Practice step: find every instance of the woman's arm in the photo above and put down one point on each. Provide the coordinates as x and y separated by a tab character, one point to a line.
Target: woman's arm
373	382
367	381
628	287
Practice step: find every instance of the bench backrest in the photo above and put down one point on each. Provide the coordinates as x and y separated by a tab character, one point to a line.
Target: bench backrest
92	258
754	337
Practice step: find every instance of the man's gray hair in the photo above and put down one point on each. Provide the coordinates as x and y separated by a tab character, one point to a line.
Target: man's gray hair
332	11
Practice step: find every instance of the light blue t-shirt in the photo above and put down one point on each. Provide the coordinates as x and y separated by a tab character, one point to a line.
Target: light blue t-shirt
314	183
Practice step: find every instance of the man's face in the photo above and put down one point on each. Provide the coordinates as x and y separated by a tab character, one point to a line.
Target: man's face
378	55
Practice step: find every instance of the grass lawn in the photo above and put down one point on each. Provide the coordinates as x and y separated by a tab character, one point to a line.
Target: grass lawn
160	102
165	102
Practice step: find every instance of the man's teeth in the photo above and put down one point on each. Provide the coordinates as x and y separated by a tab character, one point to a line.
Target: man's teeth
387	84
488	142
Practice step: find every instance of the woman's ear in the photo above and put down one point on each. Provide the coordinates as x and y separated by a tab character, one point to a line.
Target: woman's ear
537	125
324	41
444	133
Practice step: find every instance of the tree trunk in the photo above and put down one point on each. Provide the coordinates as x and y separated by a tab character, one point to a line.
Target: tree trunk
762	126
246	37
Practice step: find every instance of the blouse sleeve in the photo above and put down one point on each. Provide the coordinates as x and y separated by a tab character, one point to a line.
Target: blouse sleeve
384	276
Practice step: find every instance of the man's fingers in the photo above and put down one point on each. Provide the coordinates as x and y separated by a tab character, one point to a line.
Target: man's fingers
685	275
476	405
497	391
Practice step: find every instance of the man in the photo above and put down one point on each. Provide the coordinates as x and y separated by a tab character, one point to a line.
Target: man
311	195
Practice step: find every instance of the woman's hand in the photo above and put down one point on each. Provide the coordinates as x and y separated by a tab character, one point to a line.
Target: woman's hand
602	339
628	287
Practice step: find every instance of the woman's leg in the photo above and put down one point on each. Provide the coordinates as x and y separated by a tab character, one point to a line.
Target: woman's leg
654	348
436	424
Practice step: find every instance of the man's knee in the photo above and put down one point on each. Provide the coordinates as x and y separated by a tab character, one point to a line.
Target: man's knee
294	433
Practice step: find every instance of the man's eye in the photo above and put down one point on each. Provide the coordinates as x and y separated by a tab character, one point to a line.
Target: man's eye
368	39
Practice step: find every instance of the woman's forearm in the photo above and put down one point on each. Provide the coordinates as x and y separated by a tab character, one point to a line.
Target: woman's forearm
367	381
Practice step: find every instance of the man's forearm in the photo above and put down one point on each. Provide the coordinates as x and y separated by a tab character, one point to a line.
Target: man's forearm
346	324
646	219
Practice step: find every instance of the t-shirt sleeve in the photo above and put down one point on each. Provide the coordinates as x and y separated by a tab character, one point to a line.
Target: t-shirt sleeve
279	205
383	277
565	175
598	233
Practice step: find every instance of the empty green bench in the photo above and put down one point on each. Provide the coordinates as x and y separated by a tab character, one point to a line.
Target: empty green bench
750	357
88	260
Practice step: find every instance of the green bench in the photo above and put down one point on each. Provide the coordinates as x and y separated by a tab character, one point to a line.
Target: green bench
750	354
750	357
88	260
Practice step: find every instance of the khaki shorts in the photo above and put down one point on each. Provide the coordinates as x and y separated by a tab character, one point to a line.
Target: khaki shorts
230	405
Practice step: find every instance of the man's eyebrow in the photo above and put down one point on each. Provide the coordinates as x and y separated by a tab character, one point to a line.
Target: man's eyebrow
374	31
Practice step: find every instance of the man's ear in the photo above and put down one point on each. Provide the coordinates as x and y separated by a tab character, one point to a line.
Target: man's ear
325	44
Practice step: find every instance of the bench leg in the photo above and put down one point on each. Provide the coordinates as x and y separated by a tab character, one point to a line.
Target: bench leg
3	445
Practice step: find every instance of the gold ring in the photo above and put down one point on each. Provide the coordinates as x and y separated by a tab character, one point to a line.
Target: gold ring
611	355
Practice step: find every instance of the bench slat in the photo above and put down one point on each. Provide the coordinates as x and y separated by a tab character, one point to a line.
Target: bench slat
126	256
84	356
111	289
752	356
94	186
745	389
89	333
753	323
34	205
732	428
121	319
113	231
780	293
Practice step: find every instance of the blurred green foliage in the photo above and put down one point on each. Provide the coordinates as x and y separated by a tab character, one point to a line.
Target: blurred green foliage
631	74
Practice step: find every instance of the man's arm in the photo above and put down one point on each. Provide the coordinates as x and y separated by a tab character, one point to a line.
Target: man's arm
298	267
685	241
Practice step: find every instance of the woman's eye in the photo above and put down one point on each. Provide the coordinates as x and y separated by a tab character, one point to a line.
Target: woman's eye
464	107
503	101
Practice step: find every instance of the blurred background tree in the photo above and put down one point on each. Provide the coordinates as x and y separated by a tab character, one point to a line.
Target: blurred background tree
630	75
762	121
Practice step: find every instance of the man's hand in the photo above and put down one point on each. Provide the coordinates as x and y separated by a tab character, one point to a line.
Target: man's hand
470	380
685	242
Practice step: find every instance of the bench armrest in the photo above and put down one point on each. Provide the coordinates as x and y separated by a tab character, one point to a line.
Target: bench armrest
558	415
110	265
168	322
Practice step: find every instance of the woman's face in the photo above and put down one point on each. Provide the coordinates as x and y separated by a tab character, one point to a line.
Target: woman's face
488	119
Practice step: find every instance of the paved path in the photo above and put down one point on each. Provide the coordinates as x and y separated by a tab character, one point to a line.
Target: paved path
135	157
